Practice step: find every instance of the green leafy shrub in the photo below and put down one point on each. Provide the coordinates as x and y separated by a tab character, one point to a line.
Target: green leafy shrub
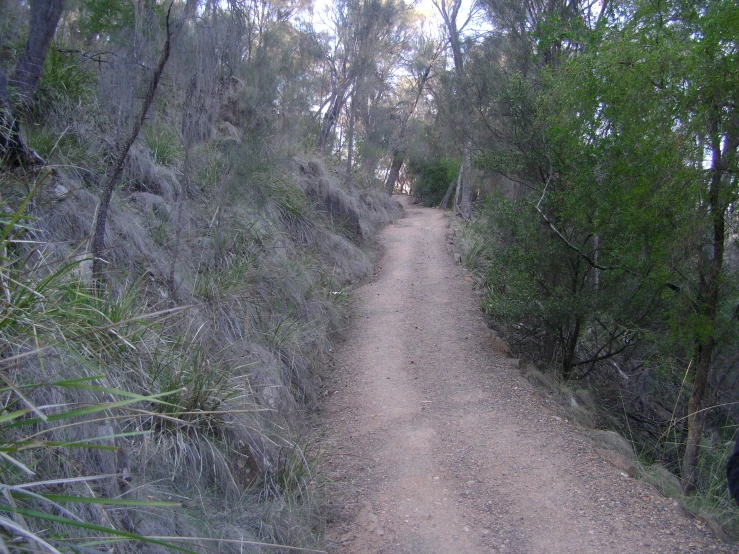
432	178
65	80
102	17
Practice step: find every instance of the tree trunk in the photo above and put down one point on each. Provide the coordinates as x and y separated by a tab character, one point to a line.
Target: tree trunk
399	152
331	116
707	300
696	414
13	150
445	201
395	166
45	15
568	358
98	239
350	142
173	286
449	13
465	204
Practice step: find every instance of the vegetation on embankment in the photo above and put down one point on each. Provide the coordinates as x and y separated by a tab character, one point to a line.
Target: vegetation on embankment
163	406
599	143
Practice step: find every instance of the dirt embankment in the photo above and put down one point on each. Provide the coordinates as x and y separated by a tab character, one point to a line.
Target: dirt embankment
438	445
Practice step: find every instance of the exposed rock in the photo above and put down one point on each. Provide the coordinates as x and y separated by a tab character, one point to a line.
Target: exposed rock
619	460
662	479
60	192
610	440
500	345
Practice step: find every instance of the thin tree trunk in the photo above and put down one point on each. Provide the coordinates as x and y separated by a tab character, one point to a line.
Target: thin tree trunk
465	205
696	414
445	201
13	150
98	241
331	116
350	143
568	359
449	13
399	152
45	15
458	189
178	232
708	297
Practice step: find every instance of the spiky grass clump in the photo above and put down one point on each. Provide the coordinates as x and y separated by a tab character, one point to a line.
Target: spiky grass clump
52	324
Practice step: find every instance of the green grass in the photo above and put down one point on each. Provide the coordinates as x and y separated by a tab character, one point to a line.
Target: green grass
164	144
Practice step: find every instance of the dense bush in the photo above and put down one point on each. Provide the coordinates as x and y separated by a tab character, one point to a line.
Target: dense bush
432	178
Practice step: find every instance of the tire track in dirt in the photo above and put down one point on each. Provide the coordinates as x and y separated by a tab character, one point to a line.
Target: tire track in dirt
436	444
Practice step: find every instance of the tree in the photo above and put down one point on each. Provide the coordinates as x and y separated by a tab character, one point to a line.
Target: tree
669	107
44	18
360	57
450	14
98	238
635	138
420	71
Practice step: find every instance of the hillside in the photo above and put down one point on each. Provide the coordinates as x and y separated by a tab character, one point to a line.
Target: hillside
190	191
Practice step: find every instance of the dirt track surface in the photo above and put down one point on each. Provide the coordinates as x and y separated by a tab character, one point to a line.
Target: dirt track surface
436	444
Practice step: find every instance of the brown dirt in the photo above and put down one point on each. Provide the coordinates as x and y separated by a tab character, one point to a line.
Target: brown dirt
437	444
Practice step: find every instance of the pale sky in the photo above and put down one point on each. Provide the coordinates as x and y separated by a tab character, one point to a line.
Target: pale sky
425	7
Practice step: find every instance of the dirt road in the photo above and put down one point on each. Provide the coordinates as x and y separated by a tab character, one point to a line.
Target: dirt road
436	444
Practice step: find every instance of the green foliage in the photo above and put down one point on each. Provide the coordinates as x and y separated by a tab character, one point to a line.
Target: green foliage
164	144
106	17
623	152
65	80
201	388
49	313
432	178
59	148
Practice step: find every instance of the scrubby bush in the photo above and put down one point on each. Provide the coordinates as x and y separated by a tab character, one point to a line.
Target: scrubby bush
432	178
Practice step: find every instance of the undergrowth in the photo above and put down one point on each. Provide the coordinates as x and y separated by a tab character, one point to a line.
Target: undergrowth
132	411
647	408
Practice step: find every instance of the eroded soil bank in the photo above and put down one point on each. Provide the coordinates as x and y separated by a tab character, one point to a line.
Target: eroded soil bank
436	444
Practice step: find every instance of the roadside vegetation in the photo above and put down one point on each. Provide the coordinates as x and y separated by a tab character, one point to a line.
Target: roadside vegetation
604	145
157	378
186	188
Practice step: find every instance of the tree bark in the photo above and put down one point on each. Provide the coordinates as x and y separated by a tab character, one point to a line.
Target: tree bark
98	240
449	13
724	149
45	15
350	141
445	201
399	152
395	166
707	302
465	204
13	150
570	349
331	116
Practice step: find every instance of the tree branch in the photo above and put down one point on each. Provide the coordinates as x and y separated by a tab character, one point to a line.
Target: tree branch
564	239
